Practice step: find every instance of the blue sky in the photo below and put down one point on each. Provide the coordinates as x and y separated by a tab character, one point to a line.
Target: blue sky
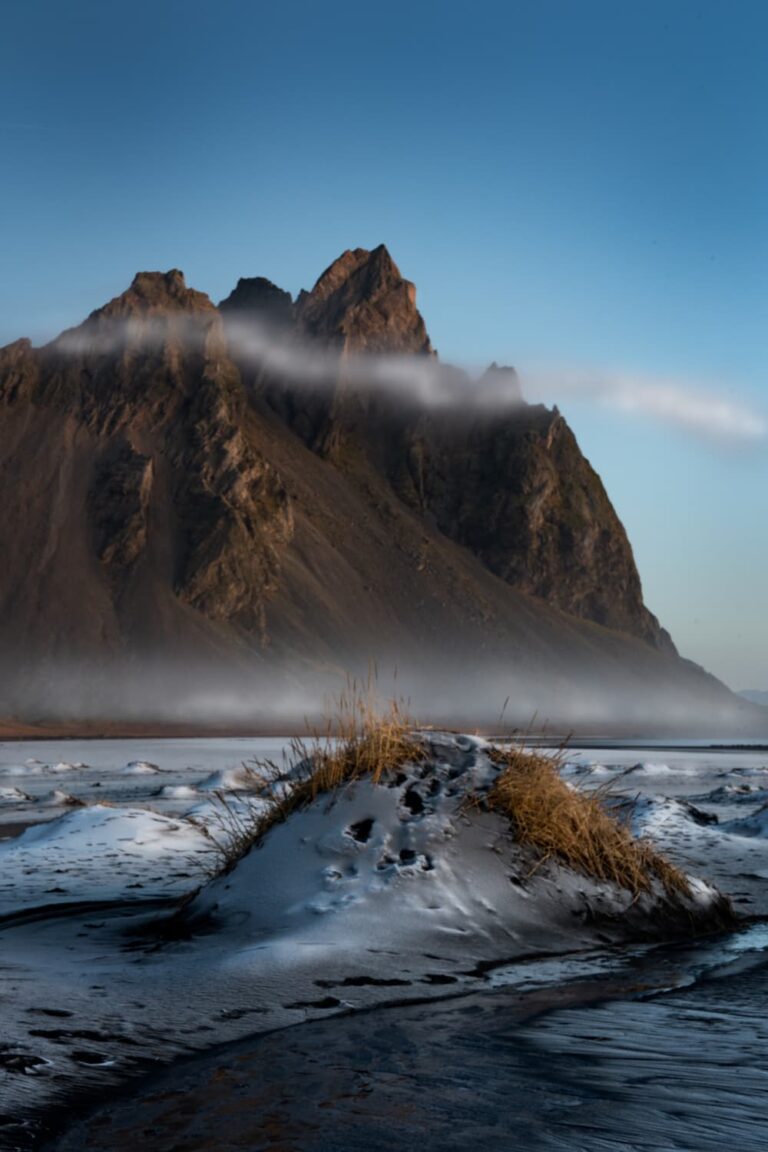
580	184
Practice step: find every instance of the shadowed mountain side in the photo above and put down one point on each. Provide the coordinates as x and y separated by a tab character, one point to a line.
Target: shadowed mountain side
509	484
365	574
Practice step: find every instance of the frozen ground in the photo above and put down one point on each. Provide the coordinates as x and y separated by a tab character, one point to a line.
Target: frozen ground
389	897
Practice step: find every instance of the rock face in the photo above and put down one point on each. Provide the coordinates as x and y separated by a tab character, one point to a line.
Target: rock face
119	506
166	493
361	303
179	504
520	495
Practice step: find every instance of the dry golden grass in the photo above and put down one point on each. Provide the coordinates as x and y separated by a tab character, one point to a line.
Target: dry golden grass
574	827
360	740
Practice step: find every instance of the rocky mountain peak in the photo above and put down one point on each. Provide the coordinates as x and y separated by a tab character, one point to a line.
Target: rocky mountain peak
362	303
258	299
155	293
506	481
149	283
375	263
146	418
17	347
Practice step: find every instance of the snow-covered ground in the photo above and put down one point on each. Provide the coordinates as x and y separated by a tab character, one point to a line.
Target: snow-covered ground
381	894
125	772
101	853
703	808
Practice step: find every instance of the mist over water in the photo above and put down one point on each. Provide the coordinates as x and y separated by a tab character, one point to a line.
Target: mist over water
463	692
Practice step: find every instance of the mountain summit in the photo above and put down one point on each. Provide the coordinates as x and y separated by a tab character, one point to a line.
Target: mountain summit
180	490
363	304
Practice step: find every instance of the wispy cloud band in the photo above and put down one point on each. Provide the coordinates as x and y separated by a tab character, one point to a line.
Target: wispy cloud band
420	380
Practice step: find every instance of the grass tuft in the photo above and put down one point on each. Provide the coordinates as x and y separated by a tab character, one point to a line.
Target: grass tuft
360	740
574	827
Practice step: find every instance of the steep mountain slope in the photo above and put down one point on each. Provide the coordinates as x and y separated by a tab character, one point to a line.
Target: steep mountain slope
511	486
181	519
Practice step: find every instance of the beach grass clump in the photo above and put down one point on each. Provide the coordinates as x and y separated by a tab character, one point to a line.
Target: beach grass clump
574	827
360	739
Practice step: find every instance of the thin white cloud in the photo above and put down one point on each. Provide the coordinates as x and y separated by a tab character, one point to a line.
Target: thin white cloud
423	380
695	409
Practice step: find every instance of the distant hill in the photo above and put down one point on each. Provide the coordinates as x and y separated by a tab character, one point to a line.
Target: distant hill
188	516
754	696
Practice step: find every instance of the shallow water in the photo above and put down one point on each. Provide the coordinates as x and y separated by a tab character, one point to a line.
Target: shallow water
686	1069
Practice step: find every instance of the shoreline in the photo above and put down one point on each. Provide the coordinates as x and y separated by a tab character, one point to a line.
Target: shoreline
103	1041
12	732
494	1069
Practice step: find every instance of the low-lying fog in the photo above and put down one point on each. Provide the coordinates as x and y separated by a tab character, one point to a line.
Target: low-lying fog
281	697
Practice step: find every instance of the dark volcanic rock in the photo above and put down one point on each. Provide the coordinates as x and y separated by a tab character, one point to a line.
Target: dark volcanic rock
120	494
361	304
511	485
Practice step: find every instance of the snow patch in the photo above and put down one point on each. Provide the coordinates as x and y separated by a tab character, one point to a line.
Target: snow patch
588	768
28	769
13	796
101	853
141	768
754	825
406	860
58	798
177	792
652	816
239	779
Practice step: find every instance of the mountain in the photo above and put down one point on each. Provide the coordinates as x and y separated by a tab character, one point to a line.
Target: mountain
209	504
